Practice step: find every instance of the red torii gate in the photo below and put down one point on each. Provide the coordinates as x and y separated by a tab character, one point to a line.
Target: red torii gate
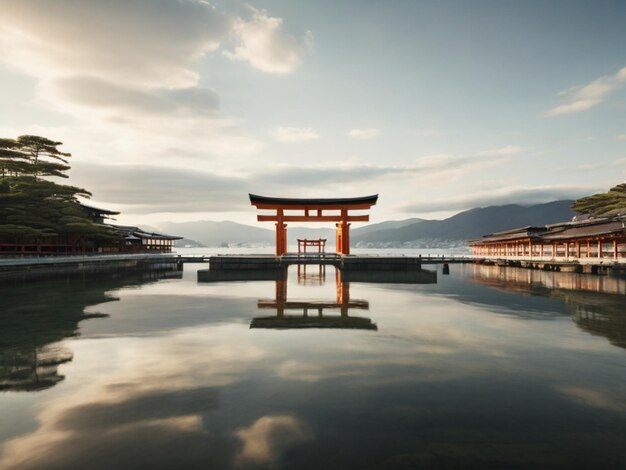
313	210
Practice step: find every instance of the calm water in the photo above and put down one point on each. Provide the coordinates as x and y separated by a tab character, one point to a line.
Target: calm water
485	368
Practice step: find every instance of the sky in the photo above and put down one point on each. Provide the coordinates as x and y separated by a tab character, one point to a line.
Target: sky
175	110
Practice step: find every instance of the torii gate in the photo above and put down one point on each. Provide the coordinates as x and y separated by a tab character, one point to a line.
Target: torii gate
313	210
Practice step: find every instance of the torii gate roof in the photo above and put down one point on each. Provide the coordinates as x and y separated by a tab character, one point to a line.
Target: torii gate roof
265	202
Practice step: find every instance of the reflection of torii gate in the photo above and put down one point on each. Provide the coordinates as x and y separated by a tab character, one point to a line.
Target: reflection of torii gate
313	210
343	303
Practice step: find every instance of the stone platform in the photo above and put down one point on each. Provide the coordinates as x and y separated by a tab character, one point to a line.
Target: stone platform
345	262
400	269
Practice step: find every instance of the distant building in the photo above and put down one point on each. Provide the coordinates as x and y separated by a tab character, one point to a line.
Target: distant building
138	240
98	215
580	238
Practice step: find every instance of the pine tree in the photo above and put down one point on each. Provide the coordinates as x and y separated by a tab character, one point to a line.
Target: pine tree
34	208
44	156
606	204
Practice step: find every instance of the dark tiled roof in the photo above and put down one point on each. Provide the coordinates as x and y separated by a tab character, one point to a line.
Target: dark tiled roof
136	232
559	231
513	234
586	230
97	209
508	236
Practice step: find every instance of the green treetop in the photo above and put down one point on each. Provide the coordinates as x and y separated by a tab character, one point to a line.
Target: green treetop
33	207
606	204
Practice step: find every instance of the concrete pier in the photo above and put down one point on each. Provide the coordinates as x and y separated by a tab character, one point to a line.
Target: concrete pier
399	269
394	264
36	267
599	266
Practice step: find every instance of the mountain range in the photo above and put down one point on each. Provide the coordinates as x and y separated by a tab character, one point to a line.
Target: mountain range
455	230
472	223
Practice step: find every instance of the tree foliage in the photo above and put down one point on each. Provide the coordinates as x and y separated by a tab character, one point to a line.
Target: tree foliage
33	207
607	204
34	156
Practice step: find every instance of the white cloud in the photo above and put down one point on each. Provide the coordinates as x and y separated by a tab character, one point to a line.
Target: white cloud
266	46
454	165
581	98
125	69
153	42
573	107
131	70
597	398
586	167
96	93
621	137
289	135
500	196
364	133
117	405
265	440
138	189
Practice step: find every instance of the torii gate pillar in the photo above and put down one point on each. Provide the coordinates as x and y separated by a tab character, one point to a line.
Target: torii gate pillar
281	233
343	234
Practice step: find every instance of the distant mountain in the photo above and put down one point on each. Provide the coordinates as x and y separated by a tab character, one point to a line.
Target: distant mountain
188	243
390	224
411	232
211	233
293	233
469	224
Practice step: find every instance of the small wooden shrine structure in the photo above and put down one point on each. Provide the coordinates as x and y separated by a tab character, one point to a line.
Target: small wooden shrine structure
338	210
320	243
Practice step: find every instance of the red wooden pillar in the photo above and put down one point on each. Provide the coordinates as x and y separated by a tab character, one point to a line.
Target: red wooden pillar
281	296
345	230
577	249
614	248
588	249
599	248
343	234
281	234
343	293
